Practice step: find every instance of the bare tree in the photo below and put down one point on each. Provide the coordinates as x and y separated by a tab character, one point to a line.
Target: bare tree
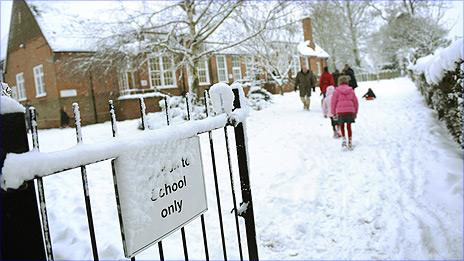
189	30
411	29
275	50
357	17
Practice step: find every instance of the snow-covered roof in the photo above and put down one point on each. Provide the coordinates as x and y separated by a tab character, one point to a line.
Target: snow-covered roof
306	50
77	26
64	23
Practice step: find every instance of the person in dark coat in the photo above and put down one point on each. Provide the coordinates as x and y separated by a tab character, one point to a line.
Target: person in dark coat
335	76
64	118
348	71
304	81
370	95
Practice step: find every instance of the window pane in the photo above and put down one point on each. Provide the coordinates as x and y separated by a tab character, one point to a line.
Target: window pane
222	70
155	71
203	71
168	78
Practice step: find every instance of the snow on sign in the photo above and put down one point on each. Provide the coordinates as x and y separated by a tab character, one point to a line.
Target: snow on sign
159	189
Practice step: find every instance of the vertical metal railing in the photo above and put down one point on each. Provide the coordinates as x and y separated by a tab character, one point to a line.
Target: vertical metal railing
216	183
242	166
85	184
40	188
202	216
242	157
232	187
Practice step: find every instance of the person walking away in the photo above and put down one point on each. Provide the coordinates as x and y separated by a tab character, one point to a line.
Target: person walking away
64	118
335	76
370	95
325	81
344	104
304	81
348	71
326	109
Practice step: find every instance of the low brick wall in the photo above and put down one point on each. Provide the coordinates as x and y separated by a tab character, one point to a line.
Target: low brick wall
274	89
128	109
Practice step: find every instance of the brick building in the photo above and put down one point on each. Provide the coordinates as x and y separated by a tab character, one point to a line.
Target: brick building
37	69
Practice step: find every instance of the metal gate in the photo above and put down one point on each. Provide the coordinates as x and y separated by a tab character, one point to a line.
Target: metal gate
14	139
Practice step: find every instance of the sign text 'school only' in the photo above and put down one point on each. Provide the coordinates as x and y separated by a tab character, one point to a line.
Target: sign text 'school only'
159	189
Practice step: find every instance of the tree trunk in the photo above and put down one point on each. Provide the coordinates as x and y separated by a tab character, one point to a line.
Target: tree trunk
353	34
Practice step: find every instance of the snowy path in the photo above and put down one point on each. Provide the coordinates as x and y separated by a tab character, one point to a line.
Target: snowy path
398	195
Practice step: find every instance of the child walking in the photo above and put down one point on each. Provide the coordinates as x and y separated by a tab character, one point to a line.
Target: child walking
344	105
326	102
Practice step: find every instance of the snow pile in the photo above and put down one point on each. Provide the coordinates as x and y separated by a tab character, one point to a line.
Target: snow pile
222	98
7	104
443	60
306	50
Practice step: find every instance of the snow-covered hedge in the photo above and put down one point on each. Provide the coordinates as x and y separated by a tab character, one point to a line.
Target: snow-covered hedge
259	98
439	78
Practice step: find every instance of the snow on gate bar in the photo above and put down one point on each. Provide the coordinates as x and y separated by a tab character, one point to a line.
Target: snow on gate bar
159	189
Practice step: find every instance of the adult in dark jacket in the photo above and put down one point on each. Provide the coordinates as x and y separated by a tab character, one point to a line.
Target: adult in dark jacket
335	76
348	71
304	81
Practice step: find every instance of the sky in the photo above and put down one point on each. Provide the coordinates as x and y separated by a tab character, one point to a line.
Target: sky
453	16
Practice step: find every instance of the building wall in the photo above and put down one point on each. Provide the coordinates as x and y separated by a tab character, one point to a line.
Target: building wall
35	51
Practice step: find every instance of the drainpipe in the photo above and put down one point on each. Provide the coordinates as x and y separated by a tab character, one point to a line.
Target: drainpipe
92	94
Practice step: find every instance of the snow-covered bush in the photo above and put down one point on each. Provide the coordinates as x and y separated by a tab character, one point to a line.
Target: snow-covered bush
439	78
259	98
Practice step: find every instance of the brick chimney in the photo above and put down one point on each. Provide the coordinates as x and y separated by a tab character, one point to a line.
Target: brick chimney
308	31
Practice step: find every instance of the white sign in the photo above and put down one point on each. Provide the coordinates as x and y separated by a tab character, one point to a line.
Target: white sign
68	93
144	82
160	189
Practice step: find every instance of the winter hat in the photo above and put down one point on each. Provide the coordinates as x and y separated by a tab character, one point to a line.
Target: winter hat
344	79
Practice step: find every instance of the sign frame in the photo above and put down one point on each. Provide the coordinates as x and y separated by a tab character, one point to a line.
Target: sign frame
133	253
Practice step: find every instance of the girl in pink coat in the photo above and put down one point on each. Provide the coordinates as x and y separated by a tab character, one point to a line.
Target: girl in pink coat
326	102
344	105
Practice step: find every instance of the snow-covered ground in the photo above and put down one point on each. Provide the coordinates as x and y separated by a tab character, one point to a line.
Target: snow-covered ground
398	195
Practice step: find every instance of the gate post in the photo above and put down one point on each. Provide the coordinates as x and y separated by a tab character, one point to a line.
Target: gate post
21	232
242	156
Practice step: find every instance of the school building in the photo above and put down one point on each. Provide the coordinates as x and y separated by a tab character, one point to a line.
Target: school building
38	55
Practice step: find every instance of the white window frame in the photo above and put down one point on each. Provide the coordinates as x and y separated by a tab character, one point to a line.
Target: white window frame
124	86
250	68
39	81
319	71
162	70
22	96
226	73
296	65
206	69
236	68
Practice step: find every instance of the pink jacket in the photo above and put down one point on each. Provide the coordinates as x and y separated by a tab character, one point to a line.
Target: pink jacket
326	110
344	100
